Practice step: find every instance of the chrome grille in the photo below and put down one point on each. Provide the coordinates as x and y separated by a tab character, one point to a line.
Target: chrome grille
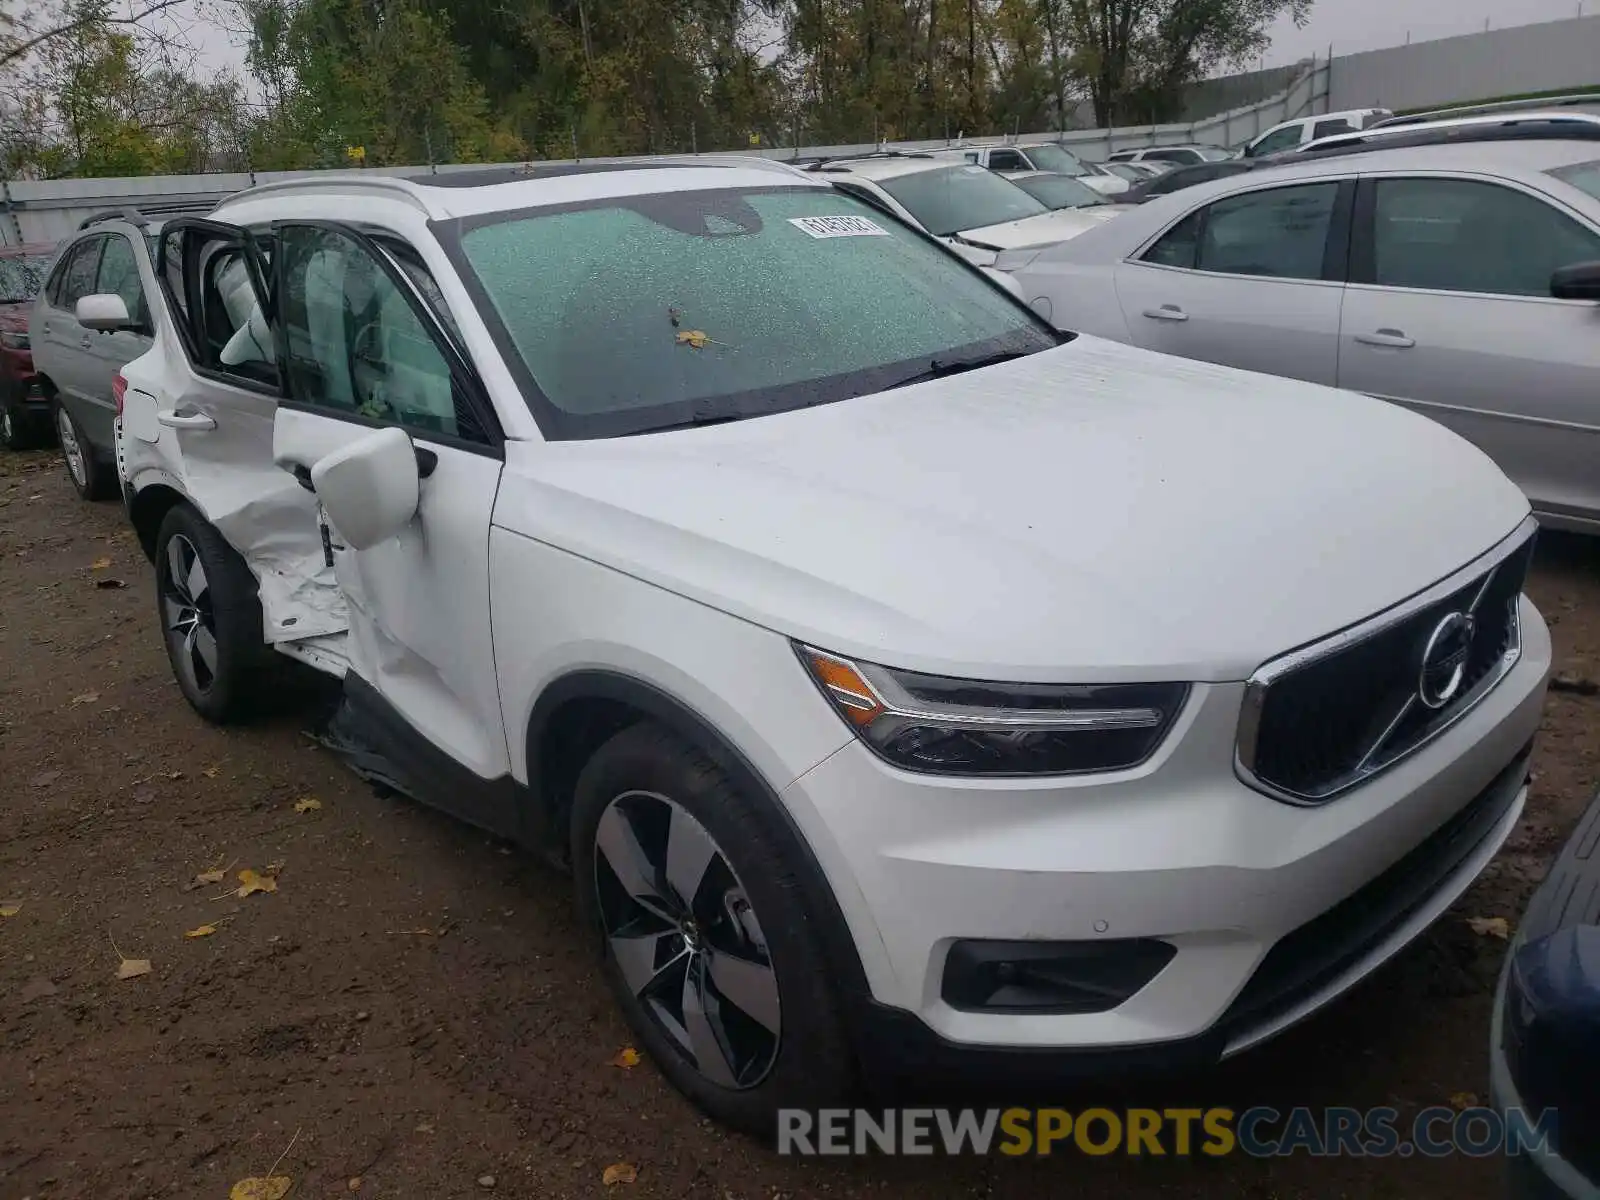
1322	720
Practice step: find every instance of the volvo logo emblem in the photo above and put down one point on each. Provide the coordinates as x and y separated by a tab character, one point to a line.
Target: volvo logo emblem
1444	660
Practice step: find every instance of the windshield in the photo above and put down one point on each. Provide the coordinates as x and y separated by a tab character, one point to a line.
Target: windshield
1584	175
21	277
1054	158
1059	191
1126	171
1213	153
636	313
949	200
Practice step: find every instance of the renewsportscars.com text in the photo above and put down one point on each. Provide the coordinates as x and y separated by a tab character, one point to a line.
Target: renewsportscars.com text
1157	1132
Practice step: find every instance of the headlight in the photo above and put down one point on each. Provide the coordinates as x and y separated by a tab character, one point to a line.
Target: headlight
14	341
945	726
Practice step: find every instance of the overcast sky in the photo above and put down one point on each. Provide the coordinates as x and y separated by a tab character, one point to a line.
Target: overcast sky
1354	25
1349	25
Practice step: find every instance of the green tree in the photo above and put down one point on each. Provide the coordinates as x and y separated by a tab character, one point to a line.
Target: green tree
385	76
1135	56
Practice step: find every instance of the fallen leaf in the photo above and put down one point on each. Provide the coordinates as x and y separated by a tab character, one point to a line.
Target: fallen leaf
307	804
1461	1101
211	772
200	931
619	1173
86	698
100	564
1490	927
10	908
271	1187
250	883
627	1058
132	968
206	878
272	868
109	583
693	337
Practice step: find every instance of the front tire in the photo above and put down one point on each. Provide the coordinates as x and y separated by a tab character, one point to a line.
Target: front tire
706	939
91	478
210	616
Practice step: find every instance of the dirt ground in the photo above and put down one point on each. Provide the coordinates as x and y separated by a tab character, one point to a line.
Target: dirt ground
411	1008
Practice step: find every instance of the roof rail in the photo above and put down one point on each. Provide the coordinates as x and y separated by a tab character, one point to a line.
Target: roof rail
1533	126
1489	108
749	162
148	214
823	163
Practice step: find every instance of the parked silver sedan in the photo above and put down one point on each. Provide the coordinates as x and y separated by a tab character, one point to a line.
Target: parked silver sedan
1460	280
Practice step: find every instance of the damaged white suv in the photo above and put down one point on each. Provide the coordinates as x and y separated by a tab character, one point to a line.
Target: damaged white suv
908	686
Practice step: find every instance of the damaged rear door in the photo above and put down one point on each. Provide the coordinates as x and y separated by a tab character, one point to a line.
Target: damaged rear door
366	342
214	431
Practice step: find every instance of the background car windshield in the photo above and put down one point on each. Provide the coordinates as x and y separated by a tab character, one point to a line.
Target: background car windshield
1584	175
643	312
1213	153
1059	191
21	277
952	199
1054	158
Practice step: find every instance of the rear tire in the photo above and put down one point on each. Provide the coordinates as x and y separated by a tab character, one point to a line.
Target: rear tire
705	936
19	429
91	478
210	614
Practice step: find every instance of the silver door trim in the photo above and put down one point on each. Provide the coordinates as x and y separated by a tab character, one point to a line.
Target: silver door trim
1546	422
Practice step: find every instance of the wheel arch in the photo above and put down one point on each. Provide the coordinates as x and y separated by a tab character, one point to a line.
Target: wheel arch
577	713
148	508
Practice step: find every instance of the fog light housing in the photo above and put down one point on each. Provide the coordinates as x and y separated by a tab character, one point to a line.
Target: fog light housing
1050	977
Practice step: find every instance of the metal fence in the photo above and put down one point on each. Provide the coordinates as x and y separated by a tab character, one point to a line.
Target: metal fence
45	211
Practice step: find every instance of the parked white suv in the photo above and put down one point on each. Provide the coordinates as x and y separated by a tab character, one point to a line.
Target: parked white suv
1292	134
908	686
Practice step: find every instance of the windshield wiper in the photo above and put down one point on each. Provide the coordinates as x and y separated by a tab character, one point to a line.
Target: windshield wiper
696	421
938	368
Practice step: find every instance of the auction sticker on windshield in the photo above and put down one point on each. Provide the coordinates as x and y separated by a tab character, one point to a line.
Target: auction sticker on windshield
832	227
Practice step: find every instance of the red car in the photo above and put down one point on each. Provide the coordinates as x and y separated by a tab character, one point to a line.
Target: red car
24	410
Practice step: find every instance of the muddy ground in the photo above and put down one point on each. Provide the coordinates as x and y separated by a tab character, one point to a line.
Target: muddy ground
411	1008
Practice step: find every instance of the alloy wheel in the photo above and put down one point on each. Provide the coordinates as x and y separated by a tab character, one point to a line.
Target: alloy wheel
683	933
71	449
186	615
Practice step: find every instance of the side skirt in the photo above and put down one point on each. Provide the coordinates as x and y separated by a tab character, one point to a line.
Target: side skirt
383	748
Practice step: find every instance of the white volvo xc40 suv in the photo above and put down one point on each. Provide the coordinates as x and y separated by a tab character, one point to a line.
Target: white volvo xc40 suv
908	686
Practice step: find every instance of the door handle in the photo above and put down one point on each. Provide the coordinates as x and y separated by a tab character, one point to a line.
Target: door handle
1387	337
1167	312
185	418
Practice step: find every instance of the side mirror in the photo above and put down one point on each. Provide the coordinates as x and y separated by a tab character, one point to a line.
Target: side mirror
370	488
105	311
1580	281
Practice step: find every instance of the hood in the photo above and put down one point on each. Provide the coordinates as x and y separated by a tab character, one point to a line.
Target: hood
1107	185
1046	229
1091	513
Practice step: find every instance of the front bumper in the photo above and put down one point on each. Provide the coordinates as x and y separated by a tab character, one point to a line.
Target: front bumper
1568	897
1262	900
24	390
